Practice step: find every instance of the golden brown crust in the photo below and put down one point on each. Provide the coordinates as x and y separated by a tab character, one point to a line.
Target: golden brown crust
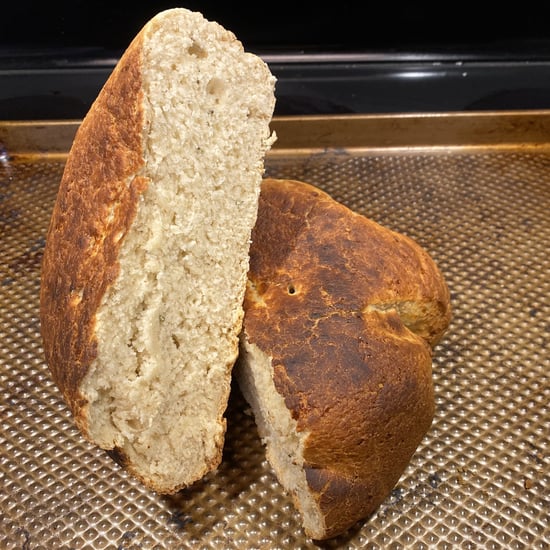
96	204
348	311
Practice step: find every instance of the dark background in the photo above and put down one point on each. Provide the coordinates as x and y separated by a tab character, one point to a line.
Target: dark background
345	57
341	25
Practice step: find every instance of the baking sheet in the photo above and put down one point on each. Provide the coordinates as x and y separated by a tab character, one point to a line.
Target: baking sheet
474	190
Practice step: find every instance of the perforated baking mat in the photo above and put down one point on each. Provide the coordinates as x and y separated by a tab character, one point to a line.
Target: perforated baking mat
474	190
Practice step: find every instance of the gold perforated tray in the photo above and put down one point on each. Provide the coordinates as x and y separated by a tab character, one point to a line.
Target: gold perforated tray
474	190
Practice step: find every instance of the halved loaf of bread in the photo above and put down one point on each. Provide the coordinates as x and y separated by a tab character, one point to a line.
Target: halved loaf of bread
145	264
341	315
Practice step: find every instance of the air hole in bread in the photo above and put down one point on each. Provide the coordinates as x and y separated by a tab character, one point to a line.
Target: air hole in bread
197	50
216	87
176	341
291	289
134	424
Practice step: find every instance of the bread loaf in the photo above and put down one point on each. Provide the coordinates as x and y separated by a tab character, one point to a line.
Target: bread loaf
145	264
341	315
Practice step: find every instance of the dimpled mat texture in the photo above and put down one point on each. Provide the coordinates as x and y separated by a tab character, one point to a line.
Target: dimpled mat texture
478	480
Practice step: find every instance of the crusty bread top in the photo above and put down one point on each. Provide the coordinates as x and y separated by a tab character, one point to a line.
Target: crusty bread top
80	260
343	260
348	312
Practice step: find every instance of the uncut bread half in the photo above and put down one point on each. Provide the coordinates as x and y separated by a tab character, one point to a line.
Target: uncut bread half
145	264
341	315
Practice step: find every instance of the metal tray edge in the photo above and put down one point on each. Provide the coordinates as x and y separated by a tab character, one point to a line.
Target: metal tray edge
502	129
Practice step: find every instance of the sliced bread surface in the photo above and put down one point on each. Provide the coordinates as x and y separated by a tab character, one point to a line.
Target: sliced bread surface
145	264
341	315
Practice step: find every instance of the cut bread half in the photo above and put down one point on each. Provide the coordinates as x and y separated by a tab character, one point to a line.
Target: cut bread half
341	315
146	258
